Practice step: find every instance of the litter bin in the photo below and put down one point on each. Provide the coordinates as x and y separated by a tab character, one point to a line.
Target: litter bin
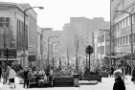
76	80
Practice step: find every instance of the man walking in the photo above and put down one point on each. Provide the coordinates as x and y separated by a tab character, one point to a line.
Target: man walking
26	80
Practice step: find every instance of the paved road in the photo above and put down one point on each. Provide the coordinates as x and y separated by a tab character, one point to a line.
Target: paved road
106	84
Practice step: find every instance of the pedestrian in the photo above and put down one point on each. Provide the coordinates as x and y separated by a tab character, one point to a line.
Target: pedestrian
51	76
133	75
11	77
112	70
119	83
5	74
29	77
0	72
26	80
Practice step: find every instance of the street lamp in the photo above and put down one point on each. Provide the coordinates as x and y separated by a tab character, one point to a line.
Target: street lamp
131	35
25	37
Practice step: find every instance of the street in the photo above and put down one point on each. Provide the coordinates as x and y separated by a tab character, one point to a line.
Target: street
106	84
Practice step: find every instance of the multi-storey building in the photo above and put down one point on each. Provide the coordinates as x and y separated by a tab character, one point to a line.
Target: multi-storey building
51	46
12	31
102	44
80	30
121	27
32	31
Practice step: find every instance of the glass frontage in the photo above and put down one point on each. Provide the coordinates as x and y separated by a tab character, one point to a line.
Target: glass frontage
7	36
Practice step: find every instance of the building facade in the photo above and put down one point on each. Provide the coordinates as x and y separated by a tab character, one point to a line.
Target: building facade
80	30
121	24
102	44
51	46
32	32
15	39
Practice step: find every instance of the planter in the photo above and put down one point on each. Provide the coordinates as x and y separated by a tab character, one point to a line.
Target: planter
92	76
76	80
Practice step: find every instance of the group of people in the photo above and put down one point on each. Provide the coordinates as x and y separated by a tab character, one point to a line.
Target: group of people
8	74
47	76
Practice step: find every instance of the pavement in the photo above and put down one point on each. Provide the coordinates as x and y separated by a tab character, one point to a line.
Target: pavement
106	84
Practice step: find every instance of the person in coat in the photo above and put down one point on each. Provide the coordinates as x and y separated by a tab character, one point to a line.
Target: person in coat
11	77
0	72
119	83
26	78
5	74
133	75
51	76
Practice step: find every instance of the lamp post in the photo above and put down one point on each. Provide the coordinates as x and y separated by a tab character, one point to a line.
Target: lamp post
131	34
25	37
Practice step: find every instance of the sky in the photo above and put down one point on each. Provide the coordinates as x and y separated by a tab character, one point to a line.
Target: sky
58	12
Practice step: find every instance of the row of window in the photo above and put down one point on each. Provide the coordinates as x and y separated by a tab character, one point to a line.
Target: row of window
103	50
125	40
124	23
4	21
22	37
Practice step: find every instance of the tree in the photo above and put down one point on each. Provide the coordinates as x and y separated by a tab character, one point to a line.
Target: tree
89	51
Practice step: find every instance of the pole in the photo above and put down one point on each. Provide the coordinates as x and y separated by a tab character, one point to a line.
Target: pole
93	37
24	39
86	60
41	50
89	61
110	35
5	46
52	49
77	48
48	52
131	41
67	57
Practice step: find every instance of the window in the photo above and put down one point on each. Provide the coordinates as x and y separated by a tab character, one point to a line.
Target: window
122	24
125	22
118	42
129	38
128	21
134	37
4	21
134	18
126	39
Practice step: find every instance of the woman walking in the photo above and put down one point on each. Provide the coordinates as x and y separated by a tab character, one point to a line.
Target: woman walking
11	77
133	75
119	83
5	73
